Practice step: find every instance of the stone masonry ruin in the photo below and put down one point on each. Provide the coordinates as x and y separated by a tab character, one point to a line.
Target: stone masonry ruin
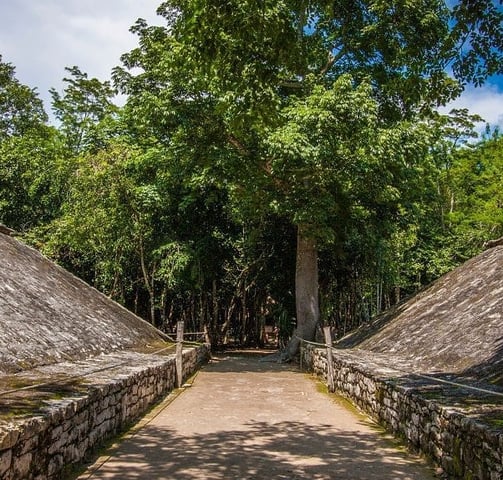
431	370
75	367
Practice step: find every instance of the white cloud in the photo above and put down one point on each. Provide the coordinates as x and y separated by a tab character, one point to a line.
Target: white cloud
486	101
41	38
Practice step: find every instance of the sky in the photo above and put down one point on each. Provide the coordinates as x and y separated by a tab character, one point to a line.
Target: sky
42	37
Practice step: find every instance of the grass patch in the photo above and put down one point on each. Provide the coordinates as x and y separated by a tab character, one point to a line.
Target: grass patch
397	442
496	422
341	400
19	401
155	347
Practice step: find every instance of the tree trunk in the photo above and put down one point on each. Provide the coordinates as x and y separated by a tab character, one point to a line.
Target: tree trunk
306	290
214	321
148	285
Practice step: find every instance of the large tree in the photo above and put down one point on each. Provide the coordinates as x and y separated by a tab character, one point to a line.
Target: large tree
309	109
21	110
32	171
83	104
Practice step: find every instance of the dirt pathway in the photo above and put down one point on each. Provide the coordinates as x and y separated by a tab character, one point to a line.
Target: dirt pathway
245	419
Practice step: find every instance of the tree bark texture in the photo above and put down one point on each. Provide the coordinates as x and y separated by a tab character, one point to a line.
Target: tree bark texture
306	289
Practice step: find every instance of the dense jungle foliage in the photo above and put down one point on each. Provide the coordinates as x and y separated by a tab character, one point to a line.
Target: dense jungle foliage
252	126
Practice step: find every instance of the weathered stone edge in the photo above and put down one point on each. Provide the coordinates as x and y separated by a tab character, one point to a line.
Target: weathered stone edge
42	447
464	448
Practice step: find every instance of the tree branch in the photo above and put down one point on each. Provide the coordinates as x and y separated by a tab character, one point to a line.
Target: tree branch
238	145
331	61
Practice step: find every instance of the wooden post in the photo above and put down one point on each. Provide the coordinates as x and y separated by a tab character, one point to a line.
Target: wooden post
330	365
301	354
207	338
179	354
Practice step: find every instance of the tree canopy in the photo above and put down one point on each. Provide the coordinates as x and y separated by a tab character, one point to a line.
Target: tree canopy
306	106
20	108
267	151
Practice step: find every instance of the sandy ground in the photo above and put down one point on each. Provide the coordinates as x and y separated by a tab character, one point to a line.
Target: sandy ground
247	419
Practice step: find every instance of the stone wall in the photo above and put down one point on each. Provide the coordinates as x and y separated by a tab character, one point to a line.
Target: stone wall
463	447
44	446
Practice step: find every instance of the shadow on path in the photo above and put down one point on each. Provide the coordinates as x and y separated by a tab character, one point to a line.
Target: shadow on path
245	419
286	450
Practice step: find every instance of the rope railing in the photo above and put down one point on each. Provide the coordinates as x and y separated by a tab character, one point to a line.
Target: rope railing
75	377
190	343
196	338
71	378
407	372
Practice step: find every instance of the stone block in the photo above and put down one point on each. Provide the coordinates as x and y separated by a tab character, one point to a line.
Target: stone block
81	403
5	461
56	433
81	418
54	415
8	437
56	464
59	443
33	427
29	445
82	447
21	465
104	416
446	439
70	410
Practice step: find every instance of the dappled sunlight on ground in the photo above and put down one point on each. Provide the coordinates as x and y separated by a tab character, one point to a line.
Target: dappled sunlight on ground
246	419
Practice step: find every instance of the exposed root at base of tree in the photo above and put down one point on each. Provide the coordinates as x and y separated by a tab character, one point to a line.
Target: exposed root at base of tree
281	356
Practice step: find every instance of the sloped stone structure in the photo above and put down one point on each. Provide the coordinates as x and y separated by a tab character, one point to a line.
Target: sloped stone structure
75	367
453	326
48	315
431	370
57	432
